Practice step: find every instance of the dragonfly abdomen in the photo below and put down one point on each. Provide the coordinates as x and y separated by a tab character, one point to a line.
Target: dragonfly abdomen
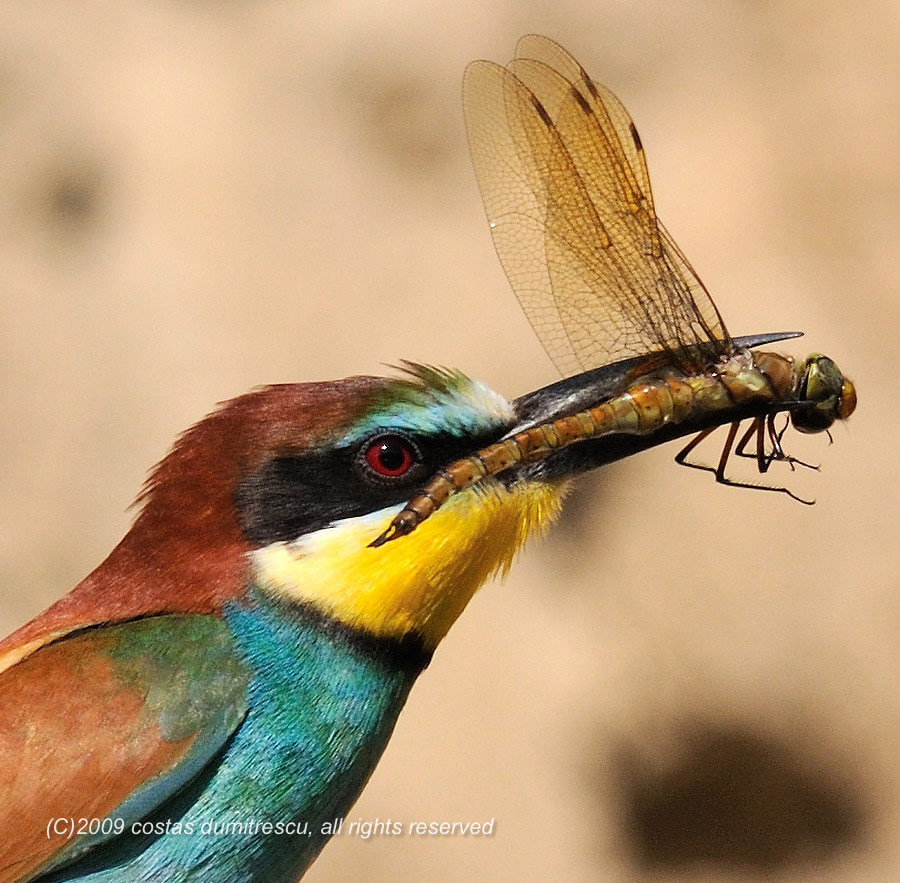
642	409
646	407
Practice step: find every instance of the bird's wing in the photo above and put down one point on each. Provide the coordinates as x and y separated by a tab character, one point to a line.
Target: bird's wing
110	722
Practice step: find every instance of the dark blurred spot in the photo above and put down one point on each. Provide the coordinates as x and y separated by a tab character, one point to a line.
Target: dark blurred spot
735	800
74	196
406	122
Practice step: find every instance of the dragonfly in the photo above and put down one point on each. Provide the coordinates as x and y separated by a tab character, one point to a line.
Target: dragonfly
614	301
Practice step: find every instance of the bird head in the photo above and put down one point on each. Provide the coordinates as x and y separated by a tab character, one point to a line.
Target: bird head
283	489
309	509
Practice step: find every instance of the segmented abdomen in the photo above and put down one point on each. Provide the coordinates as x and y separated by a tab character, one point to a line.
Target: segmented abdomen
640	410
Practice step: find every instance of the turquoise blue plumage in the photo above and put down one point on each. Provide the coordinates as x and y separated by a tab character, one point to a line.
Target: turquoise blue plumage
319	709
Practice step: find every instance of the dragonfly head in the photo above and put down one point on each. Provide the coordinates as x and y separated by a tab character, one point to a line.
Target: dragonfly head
825	393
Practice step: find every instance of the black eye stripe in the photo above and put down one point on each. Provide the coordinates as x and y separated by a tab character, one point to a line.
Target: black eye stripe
289	496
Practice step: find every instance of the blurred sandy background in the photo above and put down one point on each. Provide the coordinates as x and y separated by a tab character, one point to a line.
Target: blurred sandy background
685	681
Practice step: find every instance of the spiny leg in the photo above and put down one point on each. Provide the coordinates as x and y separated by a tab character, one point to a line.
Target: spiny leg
762	427
778	452
740	450
775	437
719	471
726	452
722	478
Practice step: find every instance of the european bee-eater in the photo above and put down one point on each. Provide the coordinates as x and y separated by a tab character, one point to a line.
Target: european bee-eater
204	704
243	653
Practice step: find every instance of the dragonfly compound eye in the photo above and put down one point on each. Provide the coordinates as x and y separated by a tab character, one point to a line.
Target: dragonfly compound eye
825	394
848	399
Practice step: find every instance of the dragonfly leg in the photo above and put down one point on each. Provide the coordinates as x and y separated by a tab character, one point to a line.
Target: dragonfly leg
778	452
722	478
775	437
757	428
681	456
719	470
726	452
761	428
759	455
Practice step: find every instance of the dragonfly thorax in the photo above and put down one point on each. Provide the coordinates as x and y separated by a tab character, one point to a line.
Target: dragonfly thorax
825	395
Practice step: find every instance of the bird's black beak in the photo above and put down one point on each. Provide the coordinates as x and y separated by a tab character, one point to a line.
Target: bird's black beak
584	391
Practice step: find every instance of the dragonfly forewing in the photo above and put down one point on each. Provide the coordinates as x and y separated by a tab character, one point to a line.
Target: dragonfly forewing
564	182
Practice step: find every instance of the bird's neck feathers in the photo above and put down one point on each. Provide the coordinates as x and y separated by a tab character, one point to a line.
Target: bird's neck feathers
175	557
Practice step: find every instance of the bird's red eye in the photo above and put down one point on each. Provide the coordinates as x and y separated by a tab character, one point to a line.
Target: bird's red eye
390	456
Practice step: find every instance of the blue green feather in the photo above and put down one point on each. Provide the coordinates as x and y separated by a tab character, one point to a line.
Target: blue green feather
321	707
433	400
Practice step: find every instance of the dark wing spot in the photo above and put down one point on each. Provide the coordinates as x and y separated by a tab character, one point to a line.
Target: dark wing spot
582	101
542	112
589	83
635	137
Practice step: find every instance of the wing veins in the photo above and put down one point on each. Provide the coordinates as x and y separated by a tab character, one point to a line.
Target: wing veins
564	181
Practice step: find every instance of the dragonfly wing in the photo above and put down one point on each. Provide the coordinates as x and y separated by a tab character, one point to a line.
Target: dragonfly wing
612	113
510	176
564	181
607	152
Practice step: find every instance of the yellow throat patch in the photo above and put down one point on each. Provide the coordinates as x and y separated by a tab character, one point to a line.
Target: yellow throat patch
418	584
